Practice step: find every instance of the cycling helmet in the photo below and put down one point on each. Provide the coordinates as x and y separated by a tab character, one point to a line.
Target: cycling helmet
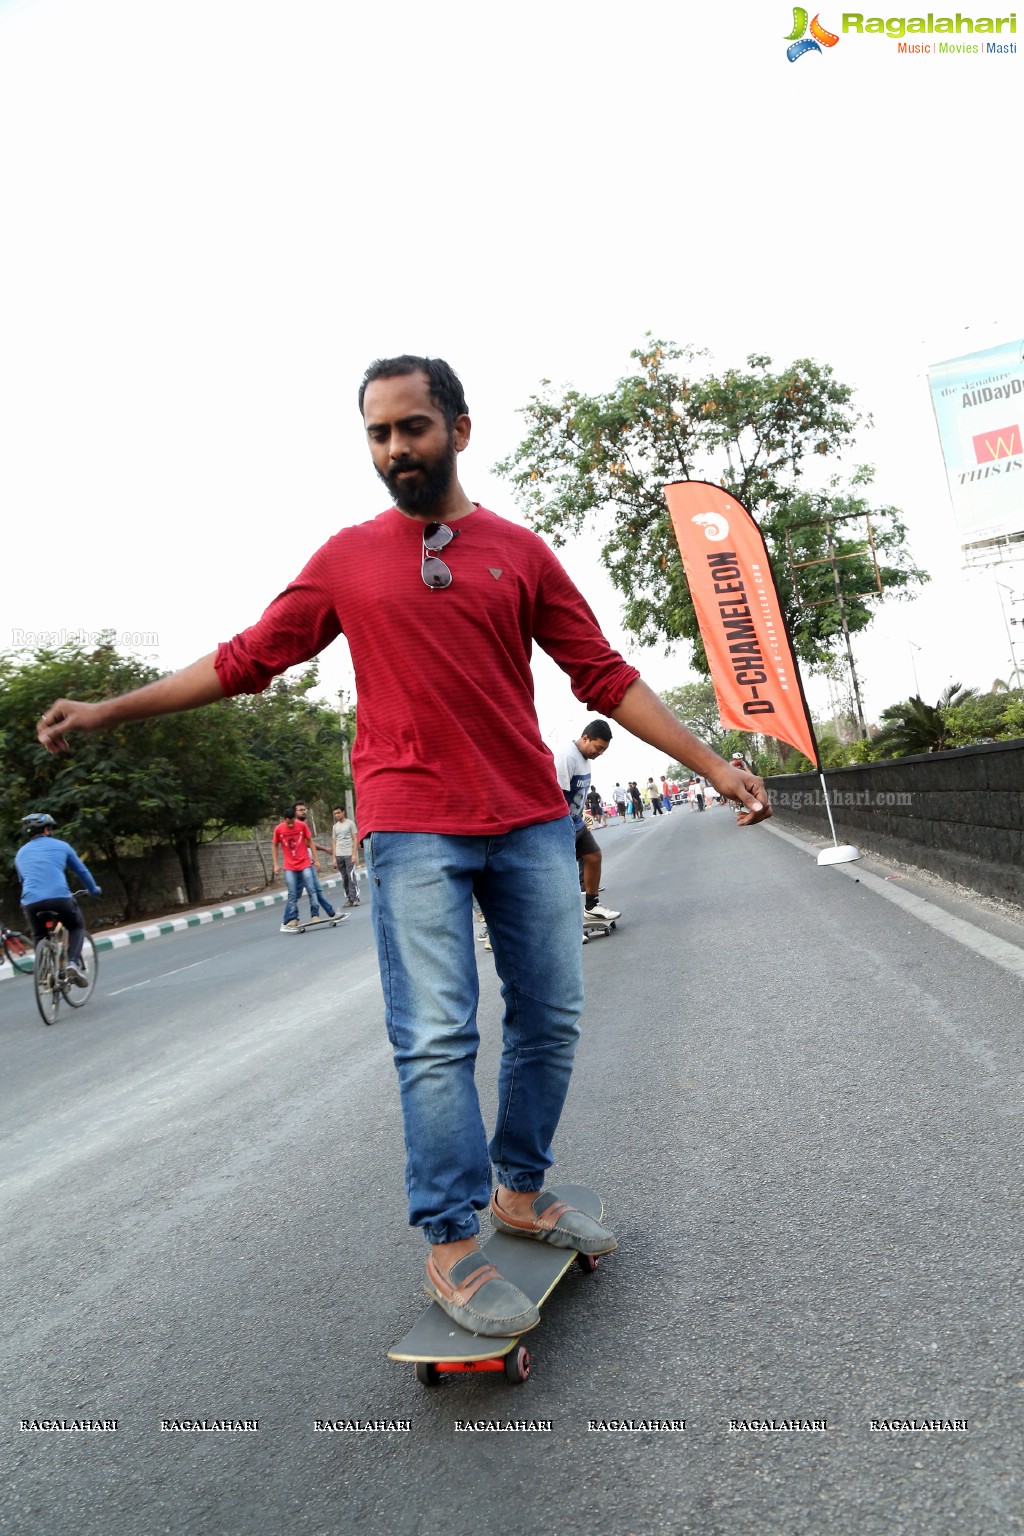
38	821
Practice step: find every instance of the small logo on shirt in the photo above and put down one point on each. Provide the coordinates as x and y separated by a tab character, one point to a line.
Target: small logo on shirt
495	571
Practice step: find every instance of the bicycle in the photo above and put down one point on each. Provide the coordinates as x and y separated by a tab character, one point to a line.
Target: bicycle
16	948
52	981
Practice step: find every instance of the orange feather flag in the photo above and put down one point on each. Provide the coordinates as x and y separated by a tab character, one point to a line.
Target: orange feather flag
753	668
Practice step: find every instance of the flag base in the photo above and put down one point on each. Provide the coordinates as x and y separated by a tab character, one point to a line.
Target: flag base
842	853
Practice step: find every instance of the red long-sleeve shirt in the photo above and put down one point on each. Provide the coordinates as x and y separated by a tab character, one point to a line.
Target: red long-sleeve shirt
447	737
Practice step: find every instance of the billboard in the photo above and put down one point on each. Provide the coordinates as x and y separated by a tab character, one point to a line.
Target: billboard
979	410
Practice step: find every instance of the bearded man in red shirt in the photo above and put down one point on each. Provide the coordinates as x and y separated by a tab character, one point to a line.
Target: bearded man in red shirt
441	601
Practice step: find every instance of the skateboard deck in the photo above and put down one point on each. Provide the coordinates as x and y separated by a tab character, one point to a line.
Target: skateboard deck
324	922
595	925
438	1346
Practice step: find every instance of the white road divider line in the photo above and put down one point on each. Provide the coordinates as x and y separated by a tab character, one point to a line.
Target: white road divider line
176	972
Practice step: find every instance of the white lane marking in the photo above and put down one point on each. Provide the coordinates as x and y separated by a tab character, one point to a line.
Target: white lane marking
1000	951
176	972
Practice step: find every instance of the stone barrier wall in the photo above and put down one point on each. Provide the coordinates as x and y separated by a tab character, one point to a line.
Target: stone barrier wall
959	814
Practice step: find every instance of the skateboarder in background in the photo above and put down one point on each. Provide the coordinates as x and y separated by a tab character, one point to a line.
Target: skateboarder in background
315	848
298	852
572	765
440	601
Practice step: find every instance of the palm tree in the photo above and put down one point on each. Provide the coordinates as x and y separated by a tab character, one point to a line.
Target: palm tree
915	726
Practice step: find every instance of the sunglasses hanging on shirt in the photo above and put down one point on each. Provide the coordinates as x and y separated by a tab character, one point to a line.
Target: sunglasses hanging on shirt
436	536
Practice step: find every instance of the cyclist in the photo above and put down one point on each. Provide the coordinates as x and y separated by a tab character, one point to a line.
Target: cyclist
41	864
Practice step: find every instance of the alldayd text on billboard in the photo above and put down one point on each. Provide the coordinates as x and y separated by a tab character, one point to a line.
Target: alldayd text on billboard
979	411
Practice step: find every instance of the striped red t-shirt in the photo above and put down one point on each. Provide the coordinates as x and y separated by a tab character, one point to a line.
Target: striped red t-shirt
447	737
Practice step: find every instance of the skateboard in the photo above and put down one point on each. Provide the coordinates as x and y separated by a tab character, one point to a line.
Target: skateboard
594	925
439	1347
324	922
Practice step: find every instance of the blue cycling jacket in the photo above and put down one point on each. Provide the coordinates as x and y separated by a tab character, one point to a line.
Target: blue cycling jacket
41	865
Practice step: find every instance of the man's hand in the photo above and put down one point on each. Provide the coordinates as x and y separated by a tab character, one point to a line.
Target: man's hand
68	715
187	689
746	788
647	716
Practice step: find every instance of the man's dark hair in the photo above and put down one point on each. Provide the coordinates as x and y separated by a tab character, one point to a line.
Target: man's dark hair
444	383
598	730
338	808
289	814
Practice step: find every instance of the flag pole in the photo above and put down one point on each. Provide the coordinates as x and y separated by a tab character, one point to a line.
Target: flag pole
839	853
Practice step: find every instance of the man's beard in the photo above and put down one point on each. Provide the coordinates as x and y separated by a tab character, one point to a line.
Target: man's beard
421	497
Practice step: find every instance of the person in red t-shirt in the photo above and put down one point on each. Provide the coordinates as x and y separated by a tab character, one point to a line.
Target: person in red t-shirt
314	849
441	602
298	852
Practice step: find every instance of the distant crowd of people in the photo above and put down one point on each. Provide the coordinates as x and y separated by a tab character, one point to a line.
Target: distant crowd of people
635	800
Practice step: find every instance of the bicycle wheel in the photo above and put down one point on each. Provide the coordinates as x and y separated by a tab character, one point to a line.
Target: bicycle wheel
76	996
19	952
46	984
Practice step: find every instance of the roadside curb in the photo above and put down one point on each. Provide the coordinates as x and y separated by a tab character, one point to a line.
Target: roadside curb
125	937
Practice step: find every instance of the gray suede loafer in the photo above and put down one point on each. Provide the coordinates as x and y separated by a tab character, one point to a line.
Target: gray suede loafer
554	1222
475	1296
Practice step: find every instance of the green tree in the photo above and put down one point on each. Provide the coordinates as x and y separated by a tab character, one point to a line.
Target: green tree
176	781
112	792
915	726
981	717
696	706
299	740
598	462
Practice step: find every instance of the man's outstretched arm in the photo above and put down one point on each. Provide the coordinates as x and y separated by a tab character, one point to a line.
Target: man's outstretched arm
643	714
187	689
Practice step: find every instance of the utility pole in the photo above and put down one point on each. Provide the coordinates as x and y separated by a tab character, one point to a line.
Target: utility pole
350	805
1009	633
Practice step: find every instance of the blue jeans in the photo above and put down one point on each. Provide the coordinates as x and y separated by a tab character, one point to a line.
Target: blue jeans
320	894
297	881
525	882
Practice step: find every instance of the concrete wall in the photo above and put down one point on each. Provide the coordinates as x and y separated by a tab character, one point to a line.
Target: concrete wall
960	813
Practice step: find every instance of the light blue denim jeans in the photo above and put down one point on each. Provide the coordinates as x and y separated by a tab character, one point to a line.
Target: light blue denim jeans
297	881
422	885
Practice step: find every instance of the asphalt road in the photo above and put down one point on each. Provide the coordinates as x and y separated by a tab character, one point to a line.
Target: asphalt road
801	1102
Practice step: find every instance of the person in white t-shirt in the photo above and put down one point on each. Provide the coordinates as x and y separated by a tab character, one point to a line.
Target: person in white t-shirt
346	853
572	764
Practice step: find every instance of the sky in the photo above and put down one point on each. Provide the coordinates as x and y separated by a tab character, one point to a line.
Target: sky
215	214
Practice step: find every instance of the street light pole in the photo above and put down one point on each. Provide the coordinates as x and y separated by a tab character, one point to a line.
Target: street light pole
1006	623
913	663
350	809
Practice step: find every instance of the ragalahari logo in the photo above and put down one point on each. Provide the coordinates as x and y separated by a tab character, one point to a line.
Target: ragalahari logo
800	43
1003	443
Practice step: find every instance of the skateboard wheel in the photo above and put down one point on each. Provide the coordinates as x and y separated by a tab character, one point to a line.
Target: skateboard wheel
427	1375
587	1262
517	1364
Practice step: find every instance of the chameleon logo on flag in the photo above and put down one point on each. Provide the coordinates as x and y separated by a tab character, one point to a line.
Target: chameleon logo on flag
799	43
714	525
